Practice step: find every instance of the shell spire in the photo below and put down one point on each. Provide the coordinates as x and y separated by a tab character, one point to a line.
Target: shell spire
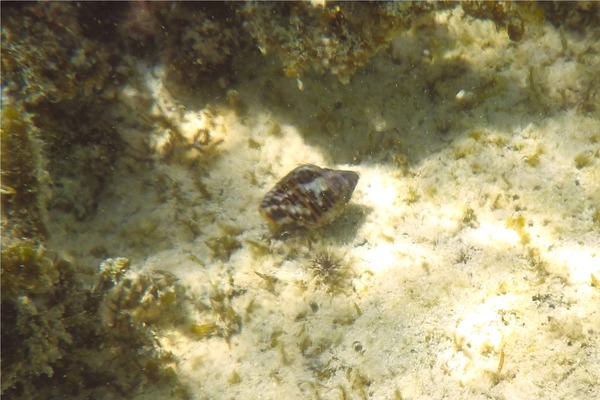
308	196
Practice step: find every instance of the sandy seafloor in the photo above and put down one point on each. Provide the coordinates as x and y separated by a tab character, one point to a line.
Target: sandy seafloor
469	254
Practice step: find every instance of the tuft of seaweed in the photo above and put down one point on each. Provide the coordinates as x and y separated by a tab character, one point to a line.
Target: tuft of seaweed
70	340
23	178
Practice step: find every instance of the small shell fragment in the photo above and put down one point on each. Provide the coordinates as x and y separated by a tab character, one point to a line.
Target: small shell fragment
309	196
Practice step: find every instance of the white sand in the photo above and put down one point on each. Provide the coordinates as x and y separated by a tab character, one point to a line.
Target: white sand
471	266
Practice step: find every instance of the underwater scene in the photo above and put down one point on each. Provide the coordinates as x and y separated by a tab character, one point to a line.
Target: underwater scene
300	200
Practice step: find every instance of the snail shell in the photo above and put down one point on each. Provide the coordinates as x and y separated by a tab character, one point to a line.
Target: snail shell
308	196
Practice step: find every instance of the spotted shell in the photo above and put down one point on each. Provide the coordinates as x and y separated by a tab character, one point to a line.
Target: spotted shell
308	196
